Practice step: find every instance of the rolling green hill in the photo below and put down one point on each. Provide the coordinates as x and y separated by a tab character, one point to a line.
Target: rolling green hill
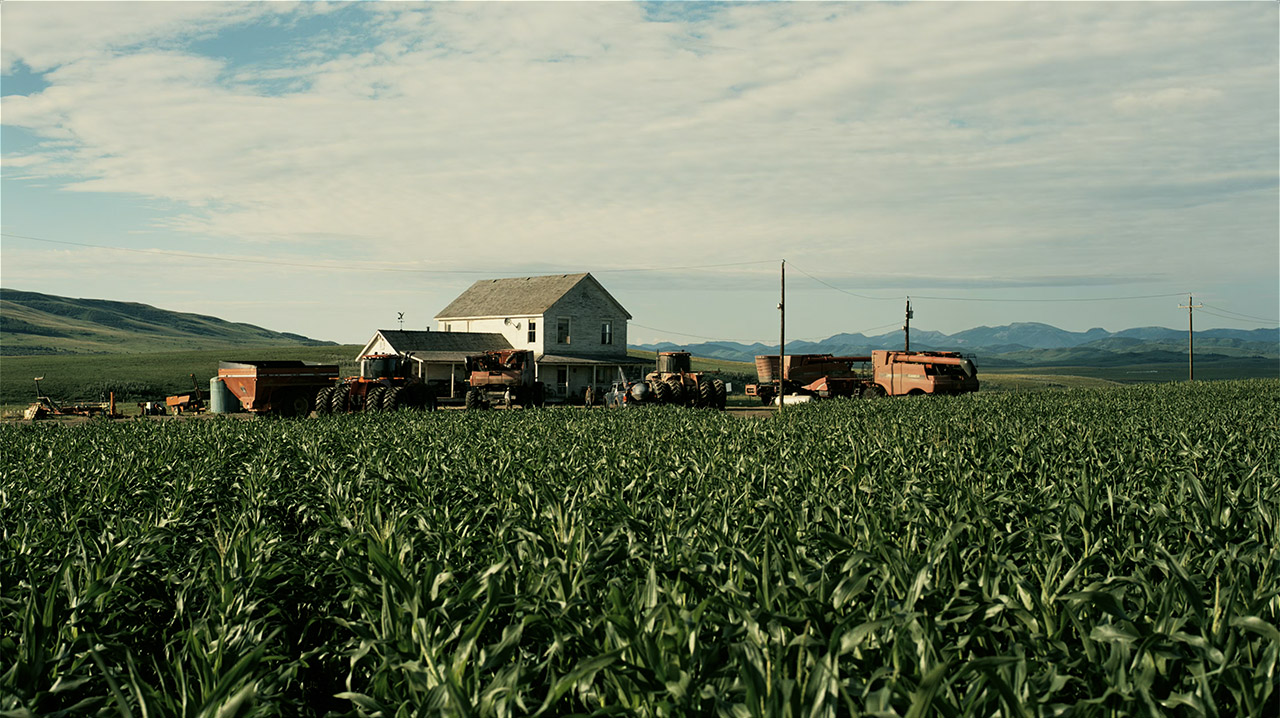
42	324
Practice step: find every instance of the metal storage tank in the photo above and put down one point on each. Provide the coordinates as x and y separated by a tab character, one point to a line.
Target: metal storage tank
221	399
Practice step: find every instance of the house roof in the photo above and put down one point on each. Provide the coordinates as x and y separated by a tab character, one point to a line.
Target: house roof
462	343
518	296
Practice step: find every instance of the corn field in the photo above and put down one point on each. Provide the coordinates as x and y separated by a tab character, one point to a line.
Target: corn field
1081	553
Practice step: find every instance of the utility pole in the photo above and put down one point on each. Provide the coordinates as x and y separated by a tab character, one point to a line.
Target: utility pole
1191	358
782	329
906	328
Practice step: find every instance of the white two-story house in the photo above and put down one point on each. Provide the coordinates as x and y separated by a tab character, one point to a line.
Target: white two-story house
575	328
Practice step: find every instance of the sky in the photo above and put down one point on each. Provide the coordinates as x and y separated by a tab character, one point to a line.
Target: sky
318	168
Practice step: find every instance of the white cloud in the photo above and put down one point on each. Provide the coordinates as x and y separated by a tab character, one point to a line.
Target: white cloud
584	134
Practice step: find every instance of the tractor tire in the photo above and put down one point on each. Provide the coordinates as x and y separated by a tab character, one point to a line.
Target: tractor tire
706	394
338	400
473	401
661	391
539	392
394	398
677	390
323	397
874	391
722	396
373	398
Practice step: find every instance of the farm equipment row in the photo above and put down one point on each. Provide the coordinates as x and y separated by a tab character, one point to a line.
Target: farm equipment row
805	377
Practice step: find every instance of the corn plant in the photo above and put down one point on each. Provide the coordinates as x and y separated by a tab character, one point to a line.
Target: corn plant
1083	553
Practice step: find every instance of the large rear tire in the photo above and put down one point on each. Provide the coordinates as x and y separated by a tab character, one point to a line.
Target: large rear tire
373	398
473	401
706	394
722	396
393	398
323	397
661	392
338	401
677	390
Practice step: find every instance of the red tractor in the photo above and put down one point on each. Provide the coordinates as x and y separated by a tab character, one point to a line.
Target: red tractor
385	384
503	377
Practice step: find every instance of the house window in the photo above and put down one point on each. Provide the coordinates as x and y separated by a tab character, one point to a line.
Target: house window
562	330
446	326
606	333
562	375
533	331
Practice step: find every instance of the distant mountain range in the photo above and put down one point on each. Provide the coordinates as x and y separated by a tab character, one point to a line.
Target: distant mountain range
33	323
1024	344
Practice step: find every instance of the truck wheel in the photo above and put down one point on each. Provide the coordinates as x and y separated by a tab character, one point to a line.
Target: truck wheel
473	399
373	399
722	396
323	397
875	391
338	402
393	398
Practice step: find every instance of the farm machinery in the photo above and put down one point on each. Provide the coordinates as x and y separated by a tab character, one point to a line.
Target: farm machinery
193	403
671	382
281	387
674	382
45	406
884	373
385	384
503	377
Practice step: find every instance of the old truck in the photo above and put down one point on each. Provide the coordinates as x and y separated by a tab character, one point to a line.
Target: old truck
503	377
281	387
883	373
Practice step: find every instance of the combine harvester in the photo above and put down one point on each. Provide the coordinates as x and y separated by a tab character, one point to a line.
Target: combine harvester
806	377
504	377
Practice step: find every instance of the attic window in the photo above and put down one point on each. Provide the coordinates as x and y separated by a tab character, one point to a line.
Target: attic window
562	330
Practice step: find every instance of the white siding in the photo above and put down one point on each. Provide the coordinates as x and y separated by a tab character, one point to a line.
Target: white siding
514	329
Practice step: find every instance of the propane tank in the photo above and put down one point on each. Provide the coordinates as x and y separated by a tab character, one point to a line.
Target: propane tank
639	391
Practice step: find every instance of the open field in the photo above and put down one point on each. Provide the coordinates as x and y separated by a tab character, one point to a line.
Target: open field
1223	369
136	377
1091	552
85	377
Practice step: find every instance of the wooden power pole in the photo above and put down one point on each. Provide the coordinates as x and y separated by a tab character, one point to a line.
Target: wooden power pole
782	330
906	328
1191	357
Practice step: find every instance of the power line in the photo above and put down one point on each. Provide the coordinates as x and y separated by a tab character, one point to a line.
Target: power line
357	267
1204	308
1242	316
984	299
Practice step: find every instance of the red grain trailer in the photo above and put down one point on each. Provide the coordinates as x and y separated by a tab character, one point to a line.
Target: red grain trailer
282	387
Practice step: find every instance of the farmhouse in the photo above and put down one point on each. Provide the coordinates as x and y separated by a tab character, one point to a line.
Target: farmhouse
575	328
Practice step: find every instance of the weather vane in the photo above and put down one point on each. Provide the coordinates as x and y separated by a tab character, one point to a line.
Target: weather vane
400	318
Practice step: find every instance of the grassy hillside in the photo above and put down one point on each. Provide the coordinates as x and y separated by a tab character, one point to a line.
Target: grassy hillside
43	324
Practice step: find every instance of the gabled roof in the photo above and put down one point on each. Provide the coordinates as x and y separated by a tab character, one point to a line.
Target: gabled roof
460	343
518	296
